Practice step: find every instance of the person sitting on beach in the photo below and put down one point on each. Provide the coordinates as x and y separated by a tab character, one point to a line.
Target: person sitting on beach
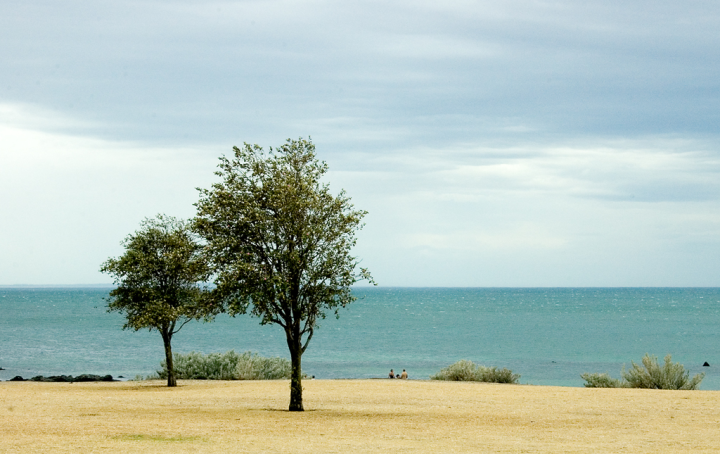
392	374
403	375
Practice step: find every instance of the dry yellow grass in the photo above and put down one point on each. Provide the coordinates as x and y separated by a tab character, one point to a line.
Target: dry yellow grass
353	416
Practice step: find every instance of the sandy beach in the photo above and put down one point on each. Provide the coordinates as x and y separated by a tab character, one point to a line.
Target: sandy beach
352	416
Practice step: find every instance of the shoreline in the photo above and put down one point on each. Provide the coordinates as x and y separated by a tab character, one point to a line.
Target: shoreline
353	416
69	332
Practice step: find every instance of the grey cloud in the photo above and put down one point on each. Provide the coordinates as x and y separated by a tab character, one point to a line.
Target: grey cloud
567	128
178	71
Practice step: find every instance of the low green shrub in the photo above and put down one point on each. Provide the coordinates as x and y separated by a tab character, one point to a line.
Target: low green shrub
653	376
602	381
226	366
464	370
650	376
251	366
494	375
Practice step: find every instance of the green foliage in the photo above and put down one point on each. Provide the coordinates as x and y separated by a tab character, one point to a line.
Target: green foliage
196	366
604	380
157	279
650	376
494	375
653	376
278	237
255	367
280	243
227	366
464	370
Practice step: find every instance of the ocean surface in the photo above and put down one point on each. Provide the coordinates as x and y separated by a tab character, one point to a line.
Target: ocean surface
548	335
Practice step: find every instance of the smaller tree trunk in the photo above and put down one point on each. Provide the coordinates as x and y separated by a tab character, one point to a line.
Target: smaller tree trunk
171	382
296	403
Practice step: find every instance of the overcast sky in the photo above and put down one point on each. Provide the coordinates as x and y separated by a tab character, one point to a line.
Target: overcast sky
513	143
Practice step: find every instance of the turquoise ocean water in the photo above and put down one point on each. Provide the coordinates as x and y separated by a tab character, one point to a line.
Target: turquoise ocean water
548	335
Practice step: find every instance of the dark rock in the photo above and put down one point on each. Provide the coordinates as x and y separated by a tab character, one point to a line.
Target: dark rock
90	377
17	378
706	364
86	377
59	378
68	378
54	378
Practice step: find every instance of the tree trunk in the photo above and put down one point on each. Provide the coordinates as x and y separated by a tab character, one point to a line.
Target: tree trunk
296	376
169	360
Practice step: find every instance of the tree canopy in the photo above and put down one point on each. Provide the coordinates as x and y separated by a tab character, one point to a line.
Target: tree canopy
159	280
280	243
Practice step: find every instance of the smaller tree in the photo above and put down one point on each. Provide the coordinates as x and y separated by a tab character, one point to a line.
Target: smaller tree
159	280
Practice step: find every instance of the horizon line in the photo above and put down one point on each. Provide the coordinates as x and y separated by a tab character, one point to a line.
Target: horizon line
110	285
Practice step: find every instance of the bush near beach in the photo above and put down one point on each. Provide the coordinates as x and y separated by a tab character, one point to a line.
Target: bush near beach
464	370
650	376
227	366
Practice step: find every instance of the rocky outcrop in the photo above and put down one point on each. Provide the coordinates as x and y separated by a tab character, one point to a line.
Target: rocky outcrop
88	377
66	378
54	378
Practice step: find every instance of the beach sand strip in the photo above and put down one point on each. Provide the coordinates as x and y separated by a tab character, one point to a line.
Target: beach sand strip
352	416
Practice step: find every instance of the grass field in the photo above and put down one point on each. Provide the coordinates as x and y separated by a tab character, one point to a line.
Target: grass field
352	416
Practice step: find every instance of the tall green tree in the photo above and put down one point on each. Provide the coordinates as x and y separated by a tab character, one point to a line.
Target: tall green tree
159	280
280	243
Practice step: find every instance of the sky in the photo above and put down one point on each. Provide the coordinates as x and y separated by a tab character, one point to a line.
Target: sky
493	144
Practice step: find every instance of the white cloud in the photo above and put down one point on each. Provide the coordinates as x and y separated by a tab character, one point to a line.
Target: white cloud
564	214
613	213
68	200
521	238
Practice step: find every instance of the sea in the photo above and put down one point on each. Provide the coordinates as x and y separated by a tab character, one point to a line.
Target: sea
550	336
